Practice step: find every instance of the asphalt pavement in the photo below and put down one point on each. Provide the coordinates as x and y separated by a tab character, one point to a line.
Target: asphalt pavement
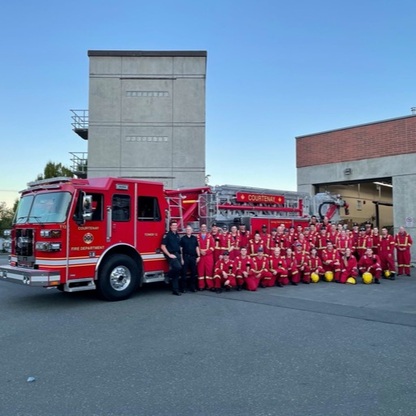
319	349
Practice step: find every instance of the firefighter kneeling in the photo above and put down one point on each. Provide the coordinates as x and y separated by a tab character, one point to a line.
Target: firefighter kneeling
224	275
370	263
349	268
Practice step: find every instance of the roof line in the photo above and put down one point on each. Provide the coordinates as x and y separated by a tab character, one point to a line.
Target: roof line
145	53
357	125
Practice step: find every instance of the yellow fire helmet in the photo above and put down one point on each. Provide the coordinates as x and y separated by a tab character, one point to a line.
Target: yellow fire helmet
351	280
367	278
387	273
329	276
314	277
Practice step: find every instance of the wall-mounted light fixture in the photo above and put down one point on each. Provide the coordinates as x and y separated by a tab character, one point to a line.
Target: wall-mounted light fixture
347	171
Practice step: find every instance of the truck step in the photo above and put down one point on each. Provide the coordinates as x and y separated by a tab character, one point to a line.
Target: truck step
80	285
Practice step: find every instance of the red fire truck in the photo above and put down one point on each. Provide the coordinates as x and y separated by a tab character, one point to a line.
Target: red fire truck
105	233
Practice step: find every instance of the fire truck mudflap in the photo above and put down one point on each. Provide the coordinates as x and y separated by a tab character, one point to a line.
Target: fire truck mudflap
30	277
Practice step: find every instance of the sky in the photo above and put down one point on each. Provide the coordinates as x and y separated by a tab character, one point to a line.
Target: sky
276	70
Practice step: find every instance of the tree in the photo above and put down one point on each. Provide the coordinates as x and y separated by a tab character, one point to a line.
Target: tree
55	170
6	217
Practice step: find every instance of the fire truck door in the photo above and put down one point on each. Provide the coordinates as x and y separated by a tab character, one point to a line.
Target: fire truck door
150	225
122	219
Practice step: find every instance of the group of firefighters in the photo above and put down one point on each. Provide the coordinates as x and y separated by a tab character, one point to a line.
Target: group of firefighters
237	259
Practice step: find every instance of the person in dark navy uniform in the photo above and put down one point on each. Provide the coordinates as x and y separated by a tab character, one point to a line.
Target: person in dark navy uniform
172	251
190	256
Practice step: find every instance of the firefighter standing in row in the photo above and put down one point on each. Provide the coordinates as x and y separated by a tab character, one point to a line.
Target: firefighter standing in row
206	245
386	253
403	242
190	257
172	250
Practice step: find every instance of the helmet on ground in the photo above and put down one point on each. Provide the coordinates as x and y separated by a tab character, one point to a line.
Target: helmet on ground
387	273
367	278
329	276
351	280
314	277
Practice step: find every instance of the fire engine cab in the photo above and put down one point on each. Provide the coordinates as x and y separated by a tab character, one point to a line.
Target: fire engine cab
105	233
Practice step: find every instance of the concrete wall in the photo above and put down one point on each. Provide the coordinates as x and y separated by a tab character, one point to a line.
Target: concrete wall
147	116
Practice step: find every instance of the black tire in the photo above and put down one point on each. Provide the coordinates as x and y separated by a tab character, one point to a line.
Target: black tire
118	278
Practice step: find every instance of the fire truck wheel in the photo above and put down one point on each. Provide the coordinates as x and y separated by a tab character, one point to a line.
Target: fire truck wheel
118	278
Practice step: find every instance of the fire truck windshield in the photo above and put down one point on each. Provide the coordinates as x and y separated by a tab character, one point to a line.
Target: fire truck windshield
43	208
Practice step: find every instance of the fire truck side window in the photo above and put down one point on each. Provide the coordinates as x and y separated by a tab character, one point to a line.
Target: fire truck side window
148	209
97	207
121	208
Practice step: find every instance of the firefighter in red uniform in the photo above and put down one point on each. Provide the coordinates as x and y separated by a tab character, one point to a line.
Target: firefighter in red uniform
403	242
261	270
306	245
292	236
272	242
313	233
292	269
206	262
370	262
363	242
243	269
326	224
255	243
243	237
333	234
321	241
285	241
224	273
224	241
278	269
234	245
309	237
342	242
348	266
315	263
313	221
375	239
354	235
264	235
279	238
386	253
302	263
331	261
368	229
215	233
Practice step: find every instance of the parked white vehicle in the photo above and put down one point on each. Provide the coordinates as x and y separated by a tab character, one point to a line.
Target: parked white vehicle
6	242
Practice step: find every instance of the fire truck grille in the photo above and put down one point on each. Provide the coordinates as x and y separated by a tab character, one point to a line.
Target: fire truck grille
24	242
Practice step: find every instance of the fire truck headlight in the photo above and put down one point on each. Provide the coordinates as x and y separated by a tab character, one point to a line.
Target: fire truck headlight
47	246
41	246
50	233
55	246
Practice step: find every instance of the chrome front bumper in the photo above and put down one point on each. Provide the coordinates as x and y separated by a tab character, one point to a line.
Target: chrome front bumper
29	277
